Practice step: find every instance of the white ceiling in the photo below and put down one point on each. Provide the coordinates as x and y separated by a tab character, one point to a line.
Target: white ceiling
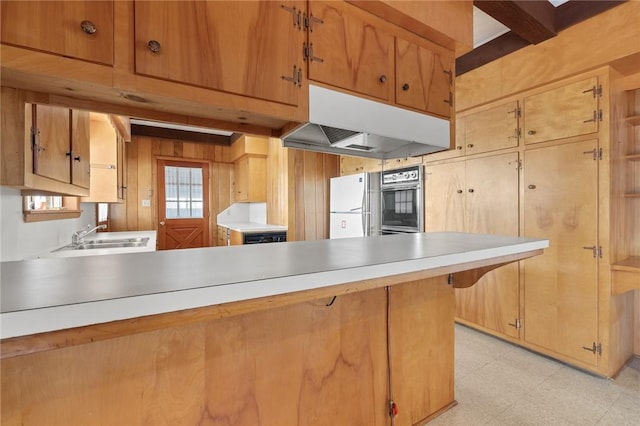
485	28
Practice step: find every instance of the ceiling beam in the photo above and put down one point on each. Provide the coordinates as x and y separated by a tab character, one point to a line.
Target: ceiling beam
490	51
566	15
534	21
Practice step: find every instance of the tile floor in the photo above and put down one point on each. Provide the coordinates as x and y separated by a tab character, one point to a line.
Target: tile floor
498	383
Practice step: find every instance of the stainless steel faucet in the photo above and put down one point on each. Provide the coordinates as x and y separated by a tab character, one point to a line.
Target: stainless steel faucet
78	236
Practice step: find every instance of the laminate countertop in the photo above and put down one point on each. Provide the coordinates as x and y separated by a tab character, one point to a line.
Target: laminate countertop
43	295
250	227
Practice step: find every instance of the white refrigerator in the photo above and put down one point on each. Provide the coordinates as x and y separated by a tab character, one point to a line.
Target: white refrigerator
354	205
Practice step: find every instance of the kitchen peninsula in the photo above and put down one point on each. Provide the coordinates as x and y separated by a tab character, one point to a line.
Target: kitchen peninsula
292	333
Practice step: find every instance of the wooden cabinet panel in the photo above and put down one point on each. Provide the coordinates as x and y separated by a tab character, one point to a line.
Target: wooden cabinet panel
350	165
492	129
53	136
236	238
491	207
561	286
56	27
479	196
80	148
104	161
423	79
348	52
244	48
445	197
250	179
571	110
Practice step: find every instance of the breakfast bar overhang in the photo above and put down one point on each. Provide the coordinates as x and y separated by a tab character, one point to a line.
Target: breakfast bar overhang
356	331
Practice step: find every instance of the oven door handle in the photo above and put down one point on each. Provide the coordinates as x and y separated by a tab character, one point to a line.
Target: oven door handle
395	187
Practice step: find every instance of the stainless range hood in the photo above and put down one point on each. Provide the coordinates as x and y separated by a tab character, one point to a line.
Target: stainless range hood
348	125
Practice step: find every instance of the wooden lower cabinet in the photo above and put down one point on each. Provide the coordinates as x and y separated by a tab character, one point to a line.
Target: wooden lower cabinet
561	287
480	196
310	364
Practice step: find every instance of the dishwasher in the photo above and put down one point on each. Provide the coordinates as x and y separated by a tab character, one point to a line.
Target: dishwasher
264	237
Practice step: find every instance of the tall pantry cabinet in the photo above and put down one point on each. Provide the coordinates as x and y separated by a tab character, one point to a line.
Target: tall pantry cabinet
549	179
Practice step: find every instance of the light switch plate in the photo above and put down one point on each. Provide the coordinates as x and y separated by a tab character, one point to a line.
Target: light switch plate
146	203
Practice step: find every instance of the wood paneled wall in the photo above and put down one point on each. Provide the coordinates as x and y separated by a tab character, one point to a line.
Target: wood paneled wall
556	58
309	174
142	154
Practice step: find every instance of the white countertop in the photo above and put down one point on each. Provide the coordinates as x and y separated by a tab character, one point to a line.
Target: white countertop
248	227
51	294
150	246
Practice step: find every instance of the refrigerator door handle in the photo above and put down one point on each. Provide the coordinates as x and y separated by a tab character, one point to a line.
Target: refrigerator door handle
357	208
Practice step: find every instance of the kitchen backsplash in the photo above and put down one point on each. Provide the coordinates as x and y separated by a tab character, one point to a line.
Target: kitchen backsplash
20	240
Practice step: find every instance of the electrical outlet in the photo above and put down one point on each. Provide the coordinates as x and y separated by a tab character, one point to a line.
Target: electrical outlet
146	203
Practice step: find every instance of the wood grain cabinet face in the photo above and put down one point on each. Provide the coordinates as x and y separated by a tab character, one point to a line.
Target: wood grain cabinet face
492	129
571	110
348	52
106	161
63	28
479	196
239	47
423	79
561	286
62	147
250	179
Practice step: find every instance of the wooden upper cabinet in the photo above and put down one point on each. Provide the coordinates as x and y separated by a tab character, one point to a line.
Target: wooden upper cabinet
251	48
424	79
567	111
491	129
80	148
52	129
77	29
347	51
250	183
61	150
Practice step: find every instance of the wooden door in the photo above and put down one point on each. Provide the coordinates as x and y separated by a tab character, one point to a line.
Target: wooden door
492	207
56	27
348	52
560	287
571	110
51	158
80	148
242	47
423	79
445	197
491	129
183	204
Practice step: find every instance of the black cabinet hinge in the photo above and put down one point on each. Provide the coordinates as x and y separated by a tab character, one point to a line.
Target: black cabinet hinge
596	348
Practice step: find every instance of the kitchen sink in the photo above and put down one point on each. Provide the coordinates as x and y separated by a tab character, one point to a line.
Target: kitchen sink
108	244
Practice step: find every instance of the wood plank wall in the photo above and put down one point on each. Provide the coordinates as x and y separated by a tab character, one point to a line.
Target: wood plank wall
309	174
142	153
277	183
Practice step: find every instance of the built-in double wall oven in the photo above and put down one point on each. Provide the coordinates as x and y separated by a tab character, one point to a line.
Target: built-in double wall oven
402	204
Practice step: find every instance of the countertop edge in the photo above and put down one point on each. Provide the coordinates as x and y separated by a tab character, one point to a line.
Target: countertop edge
32	321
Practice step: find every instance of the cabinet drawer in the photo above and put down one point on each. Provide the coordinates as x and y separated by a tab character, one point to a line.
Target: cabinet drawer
61	27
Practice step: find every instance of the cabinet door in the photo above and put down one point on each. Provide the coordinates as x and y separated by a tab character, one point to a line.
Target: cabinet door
444	197
492	129
242	47
560	287
350	165
56	27
570	110
492	207
423	79
121	164
51	155
348	52
241	179
458	149
80	148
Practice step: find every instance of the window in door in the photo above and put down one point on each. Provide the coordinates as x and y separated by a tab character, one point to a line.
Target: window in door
183	192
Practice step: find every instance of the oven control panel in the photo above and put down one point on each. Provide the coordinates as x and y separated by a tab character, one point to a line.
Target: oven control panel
403	176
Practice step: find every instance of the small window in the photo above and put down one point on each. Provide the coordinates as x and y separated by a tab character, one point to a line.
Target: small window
38	207
183	192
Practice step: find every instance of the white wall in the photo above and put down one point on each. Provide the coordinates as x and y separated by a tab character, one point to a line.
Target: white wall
20	240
